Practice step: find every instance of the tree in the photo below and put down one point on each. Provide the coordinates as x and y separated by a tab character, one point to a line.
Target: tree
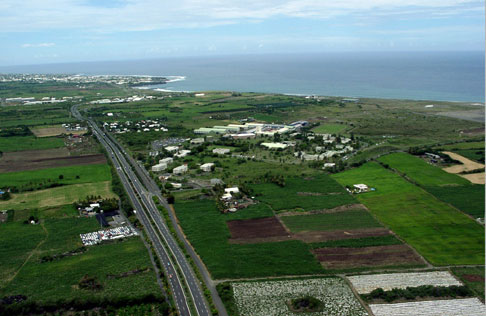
61	177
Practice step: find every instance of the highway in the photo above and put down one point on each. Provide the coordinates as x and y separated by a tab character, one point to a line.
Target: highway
171	256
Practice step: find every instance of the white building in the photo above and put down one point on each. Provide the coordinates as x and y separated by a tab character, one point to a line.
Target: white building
207	167
159	167
197	141
361	187
167	160
221	151
275	145
172	148
228	193
182	153
180	170
329	165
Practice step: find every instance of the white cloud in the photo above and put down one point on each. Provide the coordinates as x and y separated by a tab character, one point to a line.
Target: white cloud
139	15
27	45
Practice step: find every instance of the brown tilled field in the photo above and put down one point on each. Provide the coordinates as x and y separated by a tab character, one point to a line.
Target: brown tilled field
344	258
48	131
250	229
41	159
318	236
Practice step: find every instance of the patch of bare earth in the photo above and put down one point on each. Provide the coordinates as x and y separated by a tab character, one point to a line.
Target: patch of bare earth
473	277
467	165
41	159
48	131
343	258
257	230
318	236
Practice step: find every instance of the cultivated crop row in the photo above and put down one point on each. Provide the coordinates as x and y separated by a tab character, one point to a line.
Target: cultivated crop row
367	283
457	307
270	298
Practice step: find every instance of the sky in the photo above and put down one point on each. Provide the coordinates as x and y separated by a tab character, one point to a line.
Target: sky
52	31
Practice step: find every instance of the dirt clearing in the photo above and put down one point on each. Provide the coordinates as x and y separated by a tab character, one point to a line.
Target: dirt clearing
251	229
343	258
41	159
48	131
468	165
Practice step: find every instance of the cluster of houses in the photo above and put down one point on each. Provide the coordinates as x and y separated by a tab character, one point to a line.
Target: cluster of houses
233	200
93	238
134	98
140	126
340	146
74	127
90	210
251	130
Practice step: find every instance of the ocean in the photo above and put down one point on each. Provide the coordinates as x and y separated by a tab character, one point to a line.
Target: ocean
448	76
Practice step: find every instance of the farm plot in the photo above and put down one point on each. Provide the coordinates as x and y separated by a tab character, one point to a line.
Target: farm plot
316	193
467	165
19	143
367	283
40	159
270	298
322	236
467	198
45	178
331	128
206	229
348	220
420	171
57	196
473	277
48	131
378	256
256	228
439	232
457	307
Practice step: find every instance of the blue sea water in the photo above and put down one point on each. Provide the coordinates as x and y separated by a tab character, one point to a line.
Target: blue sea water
451	76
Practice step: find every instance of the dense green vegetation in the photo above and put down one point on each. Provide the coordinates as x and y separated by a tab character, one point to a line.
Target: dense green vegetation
312	193
206	229
439	232
472	154
467	198
329	128
411	293
59	279
352	219
51	177
19	143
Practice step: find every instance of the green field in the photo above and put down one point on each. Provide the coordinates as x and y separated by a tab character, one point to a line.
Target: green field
358	242
420	171
314	193
445	186
207	231
352	219
330	128
19	143
34	179
57	196
58	279
440	233
465	145
467	198
473	277
472	154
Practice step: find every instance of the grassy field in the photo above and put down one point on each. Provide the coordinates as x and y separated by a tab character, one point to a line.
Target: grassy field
58	279
352	219
18	241
318	192
57	196
19	143
440	233
44	177
358	242
206	229
465	145
447	187
472	154
420	171
467	198
330	128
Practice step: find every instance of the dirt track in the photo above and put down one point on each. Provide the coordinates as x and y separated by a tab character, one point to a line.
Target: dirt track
467	165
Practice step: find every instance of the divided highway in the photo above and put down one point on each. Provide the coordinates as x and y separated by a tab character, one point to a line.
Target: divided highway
171	256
